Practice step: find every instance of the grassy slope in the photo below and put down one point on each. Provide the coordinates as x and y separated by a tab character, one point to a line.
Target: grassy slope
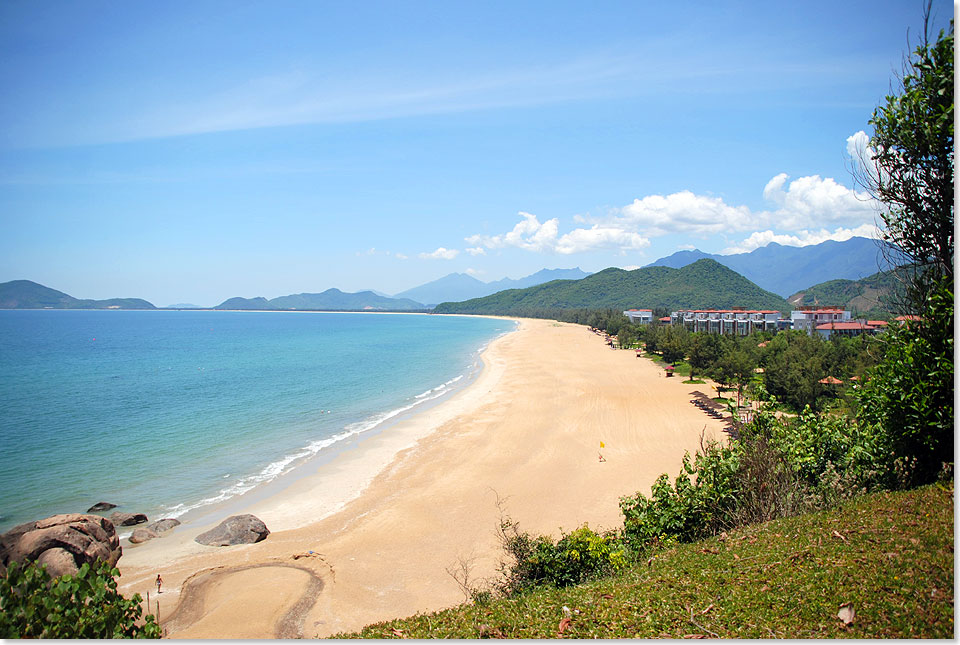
890	555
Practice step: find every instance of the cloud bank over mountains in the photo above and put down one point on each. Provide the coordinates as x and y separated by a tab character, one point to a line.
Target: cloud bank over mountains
803	211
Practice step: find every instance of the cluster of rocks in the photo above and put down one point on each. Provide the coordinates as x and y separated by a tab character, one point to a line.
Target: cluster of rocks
66	542
63	542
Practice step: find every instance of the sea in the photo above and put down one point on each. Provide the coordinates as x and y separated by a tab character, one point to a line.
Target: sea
169	412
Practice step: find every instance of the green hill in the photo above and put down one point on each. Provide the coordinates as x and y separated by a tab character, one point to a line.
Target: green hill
871	296
888	555
24	294
705	284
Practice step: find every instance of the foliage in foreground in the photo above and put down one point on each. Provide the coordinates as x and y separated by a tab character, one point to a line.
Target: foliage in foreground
85	605
537	560
890	555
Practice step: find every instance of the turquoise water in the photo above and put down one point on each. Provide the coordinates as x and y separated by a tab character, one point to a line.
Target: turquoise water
166	412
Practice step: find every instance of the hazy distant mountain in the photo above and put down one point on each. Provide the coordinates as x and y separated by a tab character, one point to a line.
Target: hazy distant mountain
705	284
455	286
788	269
460	286
329	300
24	294
541	276
184	305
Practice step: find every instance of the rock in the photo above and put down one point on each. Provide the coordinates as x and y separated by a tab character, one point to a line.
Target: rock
142	535
161	526
127	519
101	506
62	542
153	530
238	529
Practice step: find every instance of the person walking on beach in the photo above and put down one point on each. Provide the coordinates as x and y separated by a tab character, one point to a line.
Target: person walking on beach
159	582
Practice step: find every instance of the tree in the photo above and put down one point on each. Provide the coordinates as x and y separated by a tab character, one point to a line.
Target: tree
909	167
84	605
704	350
909	396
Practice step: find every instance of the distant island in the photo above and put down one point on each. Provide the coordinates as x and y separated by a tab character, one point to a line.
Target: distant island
24	294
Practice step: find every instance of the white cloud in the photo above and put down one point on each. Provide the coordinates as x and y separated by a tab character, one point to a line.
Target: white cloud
801	238
806	210
631	267
401	256
440	254
474	272
532	235
686	247
685	212
814	201
477	250
861	154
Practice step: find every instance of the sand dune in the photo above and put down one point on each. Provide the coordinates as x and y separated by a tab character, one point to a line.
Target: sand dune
526	433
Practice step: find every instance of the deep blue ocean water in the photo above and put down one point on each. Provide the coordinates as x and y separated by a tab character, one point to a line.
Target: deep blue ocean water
165	412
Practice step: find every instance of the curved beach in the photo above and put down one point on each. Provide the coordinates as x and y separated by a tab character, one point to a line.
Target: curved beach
371	535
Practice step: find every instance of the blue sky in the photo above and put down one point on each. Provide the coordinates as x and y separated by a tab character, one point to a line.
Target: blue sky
195	151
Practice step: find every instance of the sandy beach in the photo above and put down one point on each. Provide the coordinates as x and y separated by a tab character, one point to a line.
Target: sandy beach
371	535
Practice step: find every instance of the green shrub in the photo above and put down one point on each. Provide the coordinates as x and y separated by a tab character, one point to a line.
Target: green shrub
909	395
689	509
578	556
85	605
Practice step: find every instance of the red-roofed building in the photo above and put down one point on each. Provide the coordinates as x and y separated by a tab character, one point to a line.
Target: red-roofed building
847	328
809	320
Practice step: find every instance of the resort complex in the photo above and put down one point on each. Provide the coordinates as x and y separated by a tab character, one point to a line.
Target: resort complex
743	322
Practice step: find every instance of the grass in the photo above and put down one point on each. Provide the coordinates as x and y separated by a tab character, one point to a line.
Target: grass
889	555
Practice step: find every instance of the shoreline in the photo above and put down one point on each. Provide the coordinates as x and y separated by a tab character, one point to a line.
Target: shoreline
382	523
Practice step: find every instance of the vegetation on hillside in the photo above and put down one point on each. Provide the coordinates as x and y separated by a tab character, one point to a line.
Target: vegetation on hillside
84	605
886	558
876	296
703	284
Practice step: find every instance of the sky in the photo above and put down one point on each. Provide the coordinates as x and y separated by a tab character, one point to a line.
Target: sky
189	152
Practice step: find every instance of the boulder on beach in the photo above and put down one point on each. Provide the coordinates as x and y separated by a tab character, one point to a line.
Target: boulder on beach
142	535
127	519
101	506
156	529
62	542
238	529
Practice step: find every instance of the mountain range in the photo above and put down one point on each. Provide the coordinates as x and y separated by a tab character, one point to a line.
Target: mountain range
703	284
460	286
329	300
786	270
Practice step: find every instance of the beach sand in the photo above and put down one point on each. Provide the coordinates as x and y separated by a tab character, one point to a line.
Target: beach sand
387	520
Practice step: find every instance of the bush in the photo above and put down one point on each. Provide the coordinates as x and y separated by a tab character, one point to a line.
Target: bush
909	395
576	557
85	605
689	509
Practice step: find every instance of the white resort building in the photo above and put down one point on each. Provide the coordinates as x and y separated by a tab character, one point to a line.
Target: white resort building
809	319
639	316
739	322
